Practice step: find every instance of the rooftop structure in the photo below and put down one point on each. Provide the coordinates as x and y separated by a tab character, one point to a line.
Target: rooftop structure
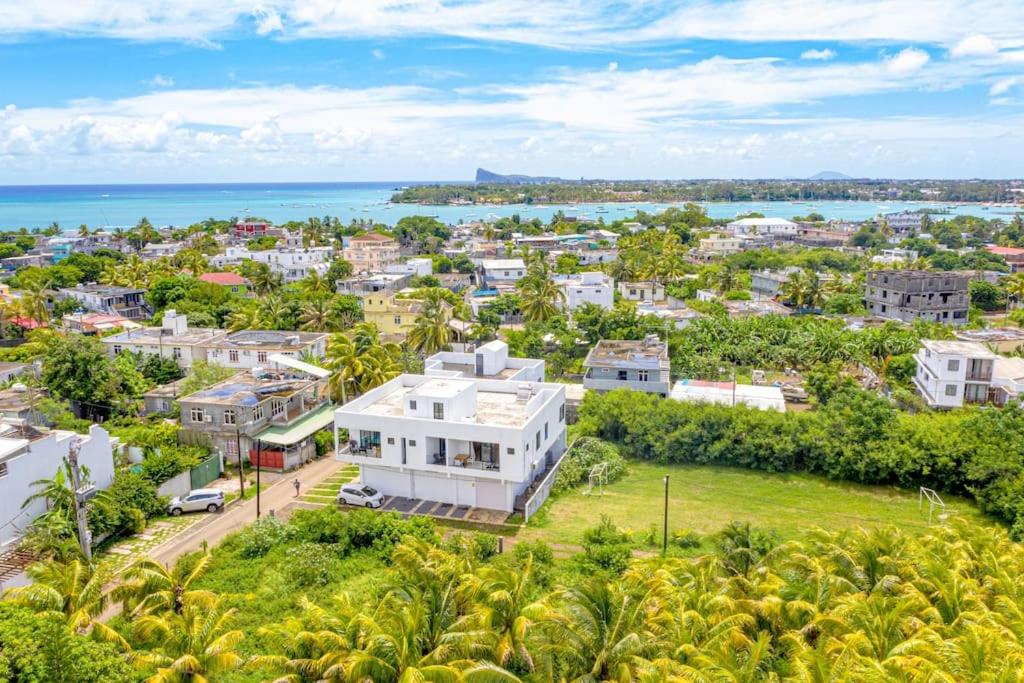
998	339
225	279
763	226
127	302
953	373
744	309
371	253
909	295
592	287
626	364
173	339
489	361
387	283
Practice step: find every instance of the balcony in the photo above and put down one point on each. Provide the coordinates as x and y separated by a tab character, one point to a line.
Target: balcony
470	455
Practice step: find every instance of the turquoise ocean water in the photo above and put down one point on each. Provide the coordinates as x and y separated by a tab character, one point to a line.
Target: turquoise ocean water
179	205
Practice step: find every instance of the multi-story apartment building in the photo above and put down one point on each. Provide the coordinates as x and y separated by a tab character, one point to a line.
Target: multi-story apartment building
490	361
904	221
127	302
291	264
241	350
377	283
28	455
464	442
592	287
951	374
620	364
909	295
413	266
651	292
249	349
763	226
269	415
719	245
393	315
1014	256
173	339
371	253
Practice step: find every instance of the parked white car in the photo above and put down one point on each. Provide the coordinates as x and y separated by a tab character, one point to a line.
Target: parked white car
358	494
210	500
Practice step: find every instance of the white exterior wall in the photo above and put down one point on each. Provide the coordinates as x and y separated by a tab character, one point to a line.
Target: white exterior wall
933	377
414	266
291	264
520	458
250	358
594	288
41	460
185	355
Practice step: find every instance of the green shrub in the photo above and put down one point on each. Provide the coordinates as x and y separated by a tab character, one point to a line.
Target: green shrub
262	535
607	547
311	564
686	538
578	462
324	441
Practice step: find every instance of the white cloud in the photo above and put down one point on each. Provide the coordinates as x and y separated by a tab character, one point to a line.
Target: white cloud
161	81
559	23
1003	85
613	66
818	55
975	46
377	54
908	60
265	136
346	138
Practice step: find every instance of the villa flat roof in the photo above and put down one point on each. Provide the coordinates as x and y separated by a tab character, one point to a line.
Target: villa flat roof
160	335
246	389
617	353
962	348
265	339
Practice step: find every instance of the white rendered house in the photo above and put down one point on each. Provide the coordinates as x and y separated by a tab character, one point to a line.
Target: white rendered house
292	264
490	361
588	287
763	226
464	442
953	373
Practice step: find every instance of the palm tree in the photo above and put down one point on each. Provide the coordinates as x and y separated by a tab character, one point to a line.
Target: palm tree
154	588
263	280
431	332
74	590
192	261
273	313
315	315
804	290
541	297
246	318
316	285
191	646
1014	286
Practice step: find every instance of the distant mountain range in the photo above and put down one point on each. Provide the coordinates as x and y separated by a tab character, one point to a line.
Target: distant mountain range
485	176
830	175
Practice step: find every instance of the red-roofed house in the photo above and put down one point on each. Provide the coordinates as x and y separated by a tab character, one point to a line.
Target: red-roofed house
371	253
233	281
247	229
1013	255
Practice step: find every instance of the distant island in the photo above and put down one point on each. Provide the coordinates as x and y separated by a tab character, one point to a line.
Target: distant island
494	189
485	176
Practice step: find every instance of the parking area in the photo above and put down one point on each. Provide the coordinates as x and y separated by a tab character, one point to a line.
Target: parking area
432	508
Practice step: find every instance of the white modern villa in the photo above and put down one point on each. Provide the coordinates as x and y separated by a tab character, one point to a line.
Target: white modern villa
484	443
490	361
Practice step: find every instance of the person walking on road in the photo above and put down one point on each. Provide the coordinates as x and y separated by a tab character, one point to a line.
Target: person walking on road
296	485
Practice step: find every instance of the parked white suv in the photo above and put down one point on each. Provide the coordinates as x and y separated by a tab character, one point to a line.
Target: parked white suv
358	494
210	500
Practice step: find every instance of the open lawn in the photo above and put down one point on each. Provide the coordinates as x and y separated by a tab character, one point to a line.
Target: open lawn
705	499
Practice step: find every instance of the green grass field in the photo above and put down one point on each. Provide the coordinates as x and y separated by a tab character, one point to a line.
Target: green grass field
705	499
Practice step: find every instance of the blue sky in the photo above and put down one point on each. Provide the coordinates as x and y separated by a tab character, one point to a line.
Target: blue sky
290	90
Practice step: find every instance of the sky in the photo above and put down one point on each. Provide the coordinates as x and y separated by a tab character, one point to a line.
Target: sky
104	91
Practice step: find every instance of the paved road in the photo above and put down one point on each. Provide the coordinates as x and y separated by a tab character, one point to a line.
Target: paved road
275	497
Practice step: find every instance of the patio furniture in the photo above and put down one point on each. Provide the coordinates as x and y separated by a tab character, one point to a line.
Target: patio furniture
462	459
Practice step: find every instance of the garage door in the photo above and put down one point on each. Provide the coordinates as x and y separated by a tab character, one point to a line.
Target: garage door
491	495
388	482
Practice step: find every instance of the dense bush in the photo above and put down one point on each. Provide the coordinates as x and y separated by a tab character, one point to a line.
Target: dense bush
360	529
261	536
607	547
857	436
578	462
311	564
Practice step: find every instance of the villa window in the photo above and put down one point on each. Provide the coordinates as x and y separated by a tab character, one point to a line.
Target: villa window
276	408
257	413
641	375
561	413
196	414
229	417
538	439
545	431
3	470
622	375
438	411
261	356
412	405
950	390
176	353
233	356
117	349
953	365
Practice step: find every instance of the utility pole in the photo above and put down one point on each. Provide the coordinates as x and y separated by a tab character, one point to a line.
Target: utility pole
241	471
259	465
664	539
84	539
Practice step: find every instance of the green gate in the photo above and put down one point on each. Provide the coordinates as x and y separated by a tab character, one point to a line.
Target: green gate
206	471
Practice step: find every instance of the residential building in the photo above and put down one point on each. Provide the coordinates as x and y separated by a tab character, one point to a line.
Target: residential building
232	282
763	226
291	264
593	287
608	236
371	253
28	454
413	266
672	311
762	397
273	411
642	291
250	229
1014	256
951	374
720	245
39	260
1008	376
9	370
466	442
155	250
596	257
20	402
507	271
489	361
376	283
161	399
747	309
894	257
173	339
904	221
249	349
768	284
392	314
626	364
997	339
909	295
127	302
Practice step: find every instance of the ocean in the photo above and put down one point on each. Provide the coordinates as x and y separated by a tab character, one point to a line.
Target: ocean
180	205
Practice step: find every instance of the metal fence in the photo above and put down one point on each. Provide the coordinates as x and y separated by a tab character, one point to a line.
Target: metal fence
206	471
540	496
